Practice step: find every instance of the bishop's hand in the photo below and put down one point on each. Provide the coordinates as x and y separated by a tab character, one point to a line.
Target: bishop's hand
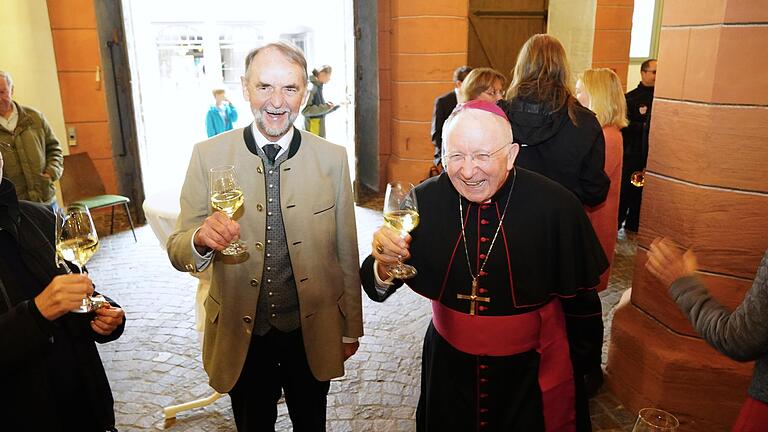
389	247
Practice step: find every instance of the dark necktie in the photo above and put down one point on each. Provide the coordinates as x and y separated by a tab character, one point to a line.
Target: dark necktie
271	151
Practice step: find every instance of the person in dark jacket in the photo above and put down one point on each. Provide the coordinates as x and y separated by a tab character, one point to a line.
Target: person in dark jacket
49	366
444	105
558	137
741	335
635	135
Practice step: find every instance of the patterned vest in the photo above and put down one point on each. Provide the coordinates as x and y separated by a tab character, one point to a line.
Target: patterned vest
278	304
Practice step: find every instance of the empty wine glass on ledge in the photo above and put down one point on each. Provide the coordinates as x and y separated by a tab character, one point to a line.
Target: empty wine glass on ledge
655	420
401	213
227	197
76	242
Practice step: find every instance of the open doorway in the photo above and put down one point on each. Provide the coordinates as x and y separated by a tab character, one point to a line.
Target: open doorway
180	50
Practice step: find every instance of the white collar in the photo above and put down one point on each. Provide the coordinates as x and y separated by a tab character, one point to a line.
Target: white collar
284	142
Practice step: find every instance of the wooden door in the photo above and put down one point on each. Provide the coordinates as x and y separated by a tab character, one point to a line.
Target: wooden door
498	28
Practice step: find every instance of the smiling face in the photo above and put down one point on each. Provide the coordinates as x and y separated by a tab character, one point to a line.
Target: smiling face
473	132
275	88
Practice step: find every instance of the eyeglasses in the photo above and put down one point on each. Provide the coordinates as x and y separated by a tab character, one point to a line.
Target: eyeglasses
494	93
477	158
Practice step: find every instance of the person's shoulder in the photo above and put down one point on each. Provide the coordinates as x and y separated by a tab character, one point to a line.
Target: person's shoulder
319	144
547	193
28	111
36	211
214	143
446	97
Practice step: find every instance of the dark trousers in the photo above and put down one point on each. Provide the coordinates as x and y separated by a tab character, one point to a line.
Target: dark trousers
277	361
630	199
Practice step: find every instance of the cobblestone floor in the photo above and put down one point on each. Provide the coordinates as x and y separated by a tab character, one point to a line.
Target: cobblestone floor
157	361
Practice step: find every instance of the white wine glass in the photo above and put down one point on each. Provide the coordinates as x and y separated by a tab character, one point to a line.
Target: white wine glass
655	420
401	213
76	242
227	197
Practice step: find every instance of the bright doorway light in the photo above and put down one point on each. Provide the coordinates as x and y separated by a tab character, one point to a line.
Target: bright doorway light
181	50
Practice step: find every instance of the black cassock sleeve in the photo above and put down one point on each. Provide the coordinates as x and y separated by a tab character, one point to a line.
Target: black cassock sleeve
369	281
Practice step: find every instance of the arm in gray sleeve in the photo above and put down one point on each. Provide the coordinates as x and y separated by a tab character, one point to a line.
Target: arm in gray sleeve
741	335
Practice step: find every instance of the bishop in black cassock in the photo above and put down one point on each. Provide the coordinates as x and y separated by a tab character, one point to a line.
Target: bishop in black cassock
500	354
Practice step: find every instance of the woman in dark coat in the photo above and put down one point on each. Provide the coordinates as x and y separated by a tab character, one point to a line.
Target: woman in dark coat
559	138
50	370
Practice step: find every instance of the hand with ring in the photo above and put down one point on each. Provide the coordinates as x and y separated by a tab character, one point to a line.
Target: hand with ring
389	247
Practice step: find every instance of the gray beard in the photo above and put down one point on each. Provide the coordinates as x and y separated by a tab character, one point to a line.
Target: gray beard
273	132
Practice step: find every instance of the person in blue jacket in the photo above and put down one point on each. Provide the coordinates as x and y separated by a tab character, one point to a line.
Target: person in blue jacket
221	116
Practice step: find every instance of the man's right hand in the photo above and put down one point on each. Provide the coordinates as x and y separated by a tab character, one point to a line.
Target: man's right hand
65	293
217	232
388	248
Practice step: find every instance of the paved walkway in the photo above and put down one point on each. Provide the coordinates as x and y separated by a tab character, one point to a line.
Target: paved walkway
157	361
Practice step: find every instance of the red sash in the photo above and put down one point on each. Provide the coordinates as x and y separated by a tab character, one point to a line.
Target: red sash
542	330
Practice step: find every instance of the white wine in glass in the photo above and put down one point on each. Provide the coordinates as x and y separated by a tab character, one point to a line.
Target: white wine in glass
77	242
227	197
401	213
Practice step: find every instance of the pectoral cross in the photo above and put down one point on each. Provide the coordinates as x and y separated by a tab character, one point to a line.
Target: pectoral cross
473	297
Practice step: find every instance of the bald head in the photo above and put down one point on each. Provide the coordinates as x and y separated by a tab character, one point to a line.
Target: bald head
478	152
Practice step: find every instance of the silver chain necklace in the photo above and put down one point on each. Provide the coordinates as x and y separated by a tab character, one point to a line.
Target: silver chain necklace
473	298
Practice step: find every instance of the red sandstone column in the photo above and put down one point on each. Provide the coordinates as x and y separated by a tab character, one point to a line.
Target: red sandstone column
427	41
706	186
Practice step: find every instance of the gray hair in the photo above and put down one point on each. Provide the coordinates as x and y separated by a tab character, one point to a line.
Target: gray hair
289	50
7	76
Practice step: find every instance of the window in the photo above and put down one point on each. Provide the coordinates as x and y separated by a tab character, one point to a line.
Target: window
180	53
235	41
645	19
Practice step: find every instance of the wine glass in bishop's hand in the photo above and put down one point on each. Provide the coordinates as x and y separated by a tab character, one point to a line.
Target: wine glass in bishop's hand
401	213
227	197
76	242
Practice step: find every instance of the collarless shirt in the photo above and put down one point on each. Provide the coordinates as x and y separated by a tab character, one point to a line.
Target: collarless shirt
284	142
12	120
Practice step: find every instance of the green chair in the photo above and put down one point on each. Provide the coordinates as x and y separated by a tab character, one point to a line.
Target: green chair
81	184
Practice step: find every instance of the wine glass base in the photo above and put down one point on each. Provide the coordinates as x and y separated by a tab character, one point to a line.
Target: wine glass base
402	271
235	248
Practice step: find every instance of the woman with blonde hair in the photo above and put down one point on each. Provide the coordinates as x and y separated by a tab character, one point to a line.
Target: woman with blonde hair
482	84
558	137
600	91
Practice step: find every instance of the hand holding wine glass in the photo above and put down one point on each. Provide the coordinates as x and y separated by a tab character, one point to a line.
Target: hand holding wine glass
76	242
401	213
227	197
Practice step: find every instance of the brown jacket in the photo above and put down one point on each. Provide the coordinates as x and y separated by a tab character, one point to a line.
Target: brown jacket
318	213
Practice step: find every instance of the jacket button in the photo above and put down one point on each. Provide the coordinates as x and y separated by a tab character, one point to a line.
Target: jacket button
259	245
247	319
259	207
189	267
258	170
254	282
